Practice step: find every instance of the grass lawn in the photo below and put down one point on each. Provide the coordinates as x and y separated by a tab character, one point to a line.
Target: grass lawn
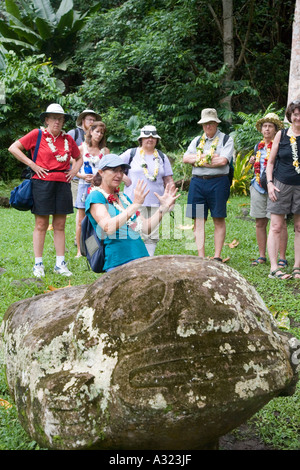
278	423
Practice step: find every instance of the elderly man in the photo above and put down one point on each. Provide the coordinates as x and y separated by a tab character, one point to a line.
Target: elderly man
210	155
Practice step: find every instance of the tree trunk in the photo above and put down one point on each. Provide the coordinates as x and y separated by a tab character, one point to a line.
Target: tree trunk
228	46
294	79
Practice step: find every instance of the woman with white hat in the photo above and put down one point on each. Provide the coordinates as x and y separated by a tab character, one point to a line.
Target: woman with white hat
153	167
267	126
117	219
50	182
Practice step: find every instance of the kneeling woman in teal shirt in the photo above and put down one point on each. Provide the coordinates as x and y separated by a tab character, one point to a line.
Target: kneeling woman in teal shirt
116	218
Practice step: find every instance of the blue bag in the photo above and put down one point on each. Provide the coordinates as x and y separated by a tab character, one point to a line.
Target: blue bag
91	247
21	196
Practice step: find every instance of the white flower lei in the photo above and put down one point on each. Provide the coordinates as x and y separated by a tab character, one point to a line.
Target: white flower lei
294	147
145	167
207	159
135	222
59	158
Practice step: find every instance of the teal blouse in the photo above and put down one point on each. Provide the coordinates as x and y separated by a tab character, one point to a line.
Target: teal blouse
122	246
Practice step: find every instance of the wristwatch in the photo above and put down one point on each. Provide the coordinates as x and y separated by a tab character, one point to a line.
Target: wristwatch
270	181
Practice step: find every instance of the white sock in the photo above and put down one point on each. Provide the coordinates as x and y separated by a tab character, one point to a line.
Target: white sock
150	248
59	260
38	260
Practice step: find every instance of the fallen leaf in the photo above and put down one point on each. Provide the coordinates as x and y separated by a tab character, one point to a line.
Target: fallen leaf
233	244
5	403
51	288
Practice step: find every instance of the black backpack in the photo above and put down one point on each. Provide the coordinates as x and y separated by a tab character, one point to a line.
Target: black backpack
231	165
91	247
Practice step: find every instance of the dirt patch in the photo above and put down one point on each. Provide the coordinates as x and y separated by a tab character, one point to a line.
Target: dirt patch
242	438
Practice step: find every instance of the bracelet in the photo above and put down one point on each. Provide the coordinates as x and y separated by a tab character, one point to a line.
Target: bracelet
270	181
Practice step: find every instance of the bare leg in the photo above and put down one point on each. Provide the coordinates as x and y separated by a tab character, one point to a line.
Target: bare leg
39	234
277	222
79	218
59	221
261	235
220	233
199	233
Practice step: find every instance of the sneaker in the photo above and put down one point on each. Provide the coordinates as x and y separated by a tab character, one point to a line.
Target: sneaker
62	269
39	270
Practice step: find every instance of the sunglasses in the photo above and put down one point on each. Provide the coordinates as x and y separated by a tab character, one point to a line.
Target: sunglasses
154	134
296	102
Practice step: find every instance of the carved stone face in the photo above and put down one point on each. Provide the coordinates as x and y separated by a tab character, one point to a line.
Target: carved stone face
150	350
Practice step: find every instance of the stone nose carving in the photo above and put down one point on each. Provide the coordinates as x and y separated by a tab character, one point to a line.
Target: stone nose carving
170	352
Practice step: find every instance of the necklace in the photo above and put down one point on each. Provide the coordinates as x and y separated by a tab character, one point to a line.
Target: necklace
145	166
50	139
293	142
93	158
260	146
135	222
200	161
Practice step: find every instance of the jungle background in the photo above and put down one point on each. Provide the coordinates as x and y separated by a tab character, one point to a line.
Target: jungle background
143	62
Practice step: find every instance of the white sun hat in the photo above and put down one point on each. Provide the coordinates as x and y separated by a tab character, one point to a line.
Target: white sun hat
148	131
55	108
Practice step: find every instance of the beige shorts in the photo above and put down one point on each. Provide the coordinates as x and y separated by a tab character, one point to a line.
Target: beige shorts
147	212
288	199
258	204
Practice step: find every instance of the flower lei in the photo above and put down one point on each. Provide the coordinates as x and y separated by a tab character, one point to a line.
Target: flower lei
145	166
94	158
293	143
135	221
200	161
50	139
258	156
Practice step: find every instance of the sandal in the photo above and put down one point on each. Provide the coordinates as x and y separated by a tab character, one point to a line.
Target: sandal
218	259
277	274
296	272
282	263
257	261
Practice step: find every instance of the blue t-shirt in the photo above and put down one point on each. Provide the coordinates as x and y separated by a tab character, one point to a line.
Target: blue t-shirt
120	247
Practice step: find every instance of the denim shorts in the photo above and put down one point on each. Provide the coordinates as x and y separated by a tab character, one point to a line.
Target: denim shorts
208	194
51	197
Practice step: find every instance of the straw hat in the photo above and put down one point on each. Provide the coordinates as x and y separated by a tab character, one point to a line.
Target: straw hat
270	117
85	113
55	108
208	115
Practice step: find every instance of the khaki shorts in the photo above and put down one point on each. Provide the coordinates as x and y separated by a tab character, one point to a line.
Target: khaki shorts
258	204
288	199
147	212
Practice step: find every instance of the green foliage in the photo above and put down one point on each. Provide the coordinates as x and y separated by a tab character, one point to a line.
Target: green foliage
30	85
145	55
245	134
243	173
37	28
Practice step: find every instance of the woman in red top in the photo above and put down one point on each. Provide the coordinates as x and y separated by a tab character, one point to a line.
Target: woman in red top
51	182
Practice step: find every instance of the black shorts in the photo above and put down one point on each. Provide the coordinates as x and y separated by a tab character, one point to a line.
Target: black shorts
51	197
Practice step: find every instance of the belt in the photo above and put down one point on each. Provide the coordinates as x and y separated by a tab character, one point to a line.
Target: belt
208	177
